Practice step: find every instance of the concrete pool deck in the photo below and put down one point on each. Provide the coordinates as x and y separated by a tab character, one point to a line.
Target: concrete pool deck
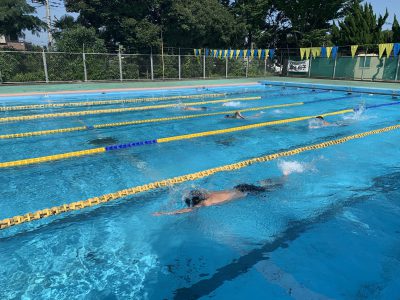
7	90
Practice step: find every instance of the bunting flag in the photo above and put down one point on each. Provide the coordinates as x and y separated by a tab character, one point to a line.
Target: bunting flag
381	48
255	52
328	51
228	54
225	53
260	53
196	52
334	51
233	53
245	53
396	50
237	53
271	53
354	50
308	53
252	53
266	53
302	53
315	51
323	52
389	48
220	52
207	52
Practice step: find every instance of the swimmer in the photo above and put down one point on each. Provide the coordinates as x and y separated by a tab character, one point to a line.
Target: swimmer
322	121
199	198
236	115
194	108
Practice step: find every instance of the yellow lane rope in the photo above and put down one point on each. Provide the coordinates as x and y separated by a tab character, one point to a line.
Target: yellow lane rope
43	159
135	122
118	110
106	102
78	205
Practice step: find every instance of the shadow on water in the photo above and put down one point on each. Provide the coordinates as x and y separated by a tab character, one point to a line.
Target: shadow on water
103	141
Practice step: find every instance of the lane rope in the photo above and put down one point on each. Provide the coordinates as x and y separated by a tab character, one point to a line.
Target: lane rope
155	120
118	110
107	102
42	159
79	205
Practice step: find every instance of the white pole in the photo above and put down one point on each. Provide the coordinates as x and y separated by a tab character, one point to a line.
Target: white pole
179	65
45	66
204	66
48	19
151	66
334	68
84	64
120	64
226	66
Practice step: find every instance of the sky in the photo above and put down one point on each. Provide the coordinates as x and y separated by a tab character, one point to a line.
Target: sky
379	6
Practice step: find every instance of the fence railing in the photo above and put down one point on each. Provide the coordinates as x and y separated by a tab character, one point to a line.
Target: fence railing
31	66
26	66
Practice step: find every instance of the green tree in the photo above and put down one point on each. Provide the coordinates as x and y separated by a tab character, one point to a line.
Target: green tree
396	30
75	38
16	16
360	26
138	25
310	20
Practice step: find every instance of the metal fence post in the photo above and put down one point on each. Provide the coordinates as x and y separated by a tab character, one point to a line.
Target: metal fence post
45	66
334	68
204	66
265	67
397	69
179	66
84	66
226	66
151	67
120	65
365	61
309	66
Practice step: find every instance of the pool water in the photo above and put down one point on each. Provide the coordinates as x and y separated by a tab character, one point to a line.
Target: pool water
330	232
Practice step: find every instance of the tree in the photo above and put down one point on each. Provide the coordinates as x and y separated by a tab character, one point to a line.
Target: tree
139	24
360	26
251	13
310	20
16	16
396	30
73	39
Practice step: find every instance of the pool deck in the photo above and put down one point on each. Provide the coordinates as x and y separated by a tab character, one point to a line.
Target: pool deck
7	90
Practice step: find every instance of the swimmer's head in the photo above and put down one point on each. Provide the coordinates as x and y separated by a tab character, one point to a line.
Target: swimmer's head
203	108
320	118
195	197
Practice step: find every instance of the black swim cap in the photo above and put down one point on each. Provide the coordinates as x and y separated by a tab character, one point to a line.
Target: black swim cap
319	117
195	197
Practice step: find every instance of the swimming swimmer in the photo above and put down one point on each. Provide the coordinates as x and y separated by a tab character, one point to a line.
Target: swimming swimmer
198	198
193	108
236	115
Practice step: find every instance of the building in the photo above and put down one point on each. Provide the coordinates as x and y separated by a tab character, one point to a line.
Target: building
5	42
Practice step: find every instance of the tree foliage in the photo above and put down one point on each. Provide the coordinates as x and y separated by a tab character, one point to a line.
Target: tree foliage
16	16
396	30
360	26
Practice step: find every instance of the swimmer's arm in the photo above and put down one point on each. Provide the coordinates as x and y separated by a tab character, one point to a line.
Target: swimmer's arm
175	212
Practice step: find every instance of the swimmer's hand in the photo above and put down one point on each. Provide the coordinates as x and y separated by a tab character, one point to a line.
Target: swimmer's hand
175	212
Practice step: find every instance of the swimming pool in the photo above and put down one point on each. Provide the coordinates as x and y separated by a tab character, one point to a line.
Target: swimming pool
330	232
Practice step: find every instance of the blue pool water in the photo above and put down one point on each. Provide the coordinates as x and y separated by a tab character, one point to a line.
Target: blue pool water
330	232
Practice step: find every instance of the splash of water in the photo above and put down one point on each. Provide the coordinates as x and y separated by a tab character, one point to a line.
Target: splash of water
290	167
232	104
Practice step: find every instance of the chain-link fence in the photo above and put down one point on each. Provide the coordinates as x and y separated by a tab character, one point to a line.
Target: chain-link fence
25	66
364	65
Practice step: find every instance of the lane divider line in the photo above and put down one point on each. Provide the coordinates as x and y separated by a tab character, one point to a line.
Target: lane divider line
79	205
118	110
42	159
155	120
